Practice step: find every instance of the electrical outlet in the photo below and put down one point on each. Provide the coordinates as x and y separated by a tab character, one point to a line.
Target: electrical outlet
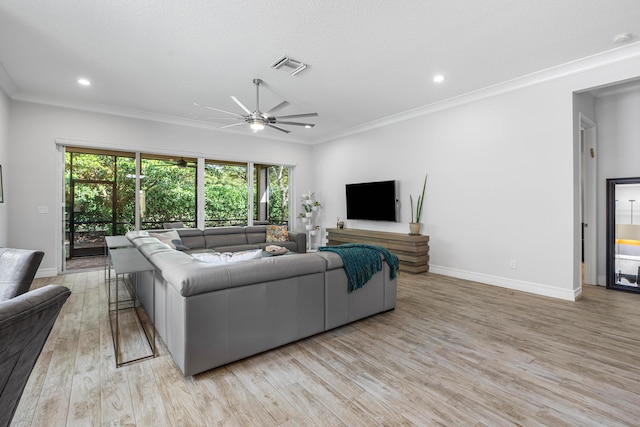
513	264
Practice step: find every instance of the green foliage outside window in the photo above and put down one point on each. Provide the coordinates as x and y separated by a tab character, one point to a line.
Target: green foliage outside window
226	196
278	204
168	193
104	193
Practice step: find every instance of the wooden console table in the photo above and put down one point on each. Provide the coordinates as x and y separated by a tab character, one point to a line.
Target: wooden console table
412	251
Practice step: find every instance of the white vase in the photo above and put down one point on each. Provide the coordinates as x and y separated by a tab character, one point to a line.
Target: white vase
313	232
308	226
314	208
414	228
309	214
305	220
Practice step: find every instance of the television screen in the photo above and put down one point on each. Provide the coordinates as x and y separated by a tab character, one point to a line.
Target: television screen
374	201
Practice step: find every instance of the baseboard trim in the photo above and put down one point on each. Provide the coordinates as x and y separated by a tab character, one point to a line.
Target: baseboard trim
518	285
46	272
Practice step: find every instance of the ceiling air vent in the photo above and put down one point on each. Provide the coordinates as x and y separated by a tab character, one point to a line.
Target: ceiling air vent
289	65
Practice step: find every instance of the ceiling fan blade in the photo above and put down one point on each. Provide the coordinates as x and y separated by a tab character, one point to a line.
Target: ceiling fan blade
237	101
296	124
276	108
217	109
218	118
298	115
276	127
228	126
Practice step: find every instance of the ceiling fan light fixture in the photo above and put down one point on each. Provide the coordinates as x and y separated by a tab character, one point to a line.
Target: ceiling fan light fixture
257	120
256	125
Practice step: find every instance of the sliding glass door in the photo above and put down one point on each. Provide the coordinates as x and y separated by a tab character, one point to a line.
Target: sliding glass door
99	199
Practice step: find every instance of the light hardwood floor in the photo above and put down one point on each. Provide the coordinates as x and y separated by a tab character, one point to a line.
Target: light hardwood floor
452	353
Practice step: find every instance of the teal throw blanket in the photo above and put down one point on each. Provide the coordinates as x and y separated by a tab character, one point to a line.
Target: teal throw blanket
361	262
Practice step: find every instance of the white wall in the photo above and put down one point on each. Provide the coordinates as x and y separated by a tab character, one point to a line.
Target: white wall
33	133
503	173
4	162
618	118
503	181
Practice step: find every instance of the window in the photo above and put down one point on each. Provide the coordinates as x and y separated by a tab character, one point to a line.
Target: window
101	198
167	191
225	193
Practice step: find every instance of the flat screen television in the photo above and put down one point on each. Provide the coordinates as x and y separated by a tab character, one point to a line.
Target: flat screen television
375	201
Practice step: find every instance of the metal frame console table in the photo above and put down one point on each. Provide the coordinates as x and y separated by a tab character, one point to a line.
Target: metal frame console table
128	261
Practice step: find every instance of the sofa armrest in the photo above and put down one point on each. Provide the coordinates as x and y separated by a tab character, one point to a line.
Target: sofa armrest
300	240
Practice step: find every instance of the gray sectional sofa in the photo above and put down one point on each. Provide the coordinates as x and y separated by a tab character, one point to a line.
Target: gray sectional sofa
209	315
232	239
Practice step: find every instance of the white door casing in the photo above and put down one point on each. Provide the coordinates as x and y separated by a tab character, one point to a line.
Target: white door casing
588	170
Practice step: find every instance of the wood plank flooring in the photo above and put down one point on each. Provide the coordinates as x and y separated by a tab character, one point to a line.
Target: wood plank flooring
452	353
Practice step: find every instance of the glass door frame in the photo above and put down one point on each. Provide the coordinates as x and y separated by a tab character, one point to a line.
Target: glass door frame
612	283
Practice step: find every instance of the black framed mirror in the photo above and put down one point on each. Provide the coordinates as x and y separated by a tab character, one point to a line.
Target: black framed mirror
623	234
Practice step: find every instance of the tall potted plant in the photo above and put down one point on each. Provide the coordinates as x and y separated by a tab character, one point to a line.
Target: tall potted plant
414	226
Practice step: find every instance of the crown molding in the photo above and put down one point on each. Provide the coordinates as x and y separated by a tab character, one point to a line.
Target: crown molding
600	60
604	59
143	115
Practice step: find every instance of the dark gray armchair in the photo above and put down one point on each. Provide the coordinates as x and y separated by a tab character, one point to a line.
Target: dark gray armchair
17	269
25	324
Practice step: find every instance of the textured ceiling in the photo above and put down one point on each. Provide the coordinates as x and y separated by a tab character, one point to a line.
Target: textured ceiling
369	59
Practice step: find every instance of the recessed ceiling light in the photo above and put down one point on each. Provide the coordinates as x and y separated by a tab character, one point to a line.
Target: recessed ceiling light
84	82
308	126
438	78
622	38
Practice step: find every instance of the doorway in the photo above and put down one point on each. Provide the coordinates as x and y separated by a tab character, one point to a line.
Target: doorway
91	217
99	202
623	234
588	184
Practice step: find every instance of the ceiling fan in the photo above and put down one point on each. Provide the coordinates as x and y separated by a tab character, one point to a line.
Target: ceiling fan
182	163
258	120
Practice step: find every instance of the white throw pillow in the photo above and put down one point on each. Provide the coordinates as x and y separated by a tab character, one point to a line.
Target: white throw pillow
215	258
245	255
228	257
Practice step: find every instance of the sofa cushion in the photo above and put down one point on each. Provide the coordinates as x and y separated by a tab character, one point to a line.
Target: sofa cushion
256	234
277	233
191	277
169	238
139	241
152	247
217	237
193	238
135	234
332	259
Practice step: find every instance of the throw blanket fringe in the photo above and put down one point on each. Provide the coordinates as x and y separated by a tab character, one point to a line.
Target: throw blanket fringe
362	261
